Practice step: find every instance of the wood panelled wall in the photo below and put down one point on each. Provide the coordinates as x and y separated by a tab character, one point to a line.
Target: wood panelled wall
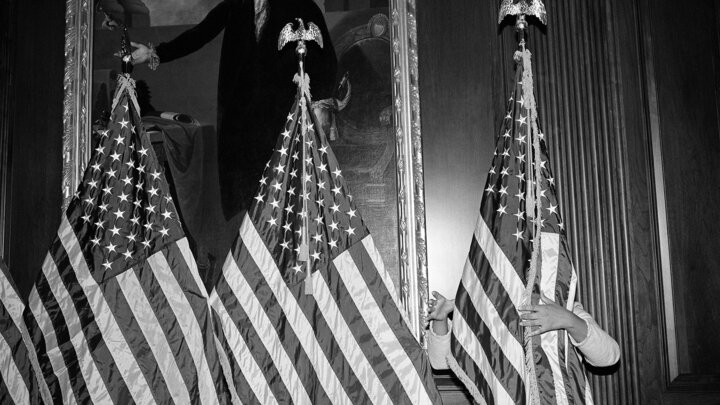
457	110
674	166
687	140
456	79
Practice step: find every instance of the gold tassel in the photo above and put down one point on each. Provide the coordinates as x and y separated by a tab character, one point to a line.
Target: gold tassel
304	256
303	82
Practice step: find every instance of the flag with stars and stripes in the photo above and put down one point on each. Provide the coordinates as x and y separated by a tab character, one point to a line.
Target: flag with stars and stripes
518	240
304	308
20	380
119	313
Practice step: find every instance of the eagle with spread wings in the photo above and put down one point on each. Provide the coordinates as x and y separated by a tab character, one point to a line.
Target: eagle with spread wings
529	7
287	35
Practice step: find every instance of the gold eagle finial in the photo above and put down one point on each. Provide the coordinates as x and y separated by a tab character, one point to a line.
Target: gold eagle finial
519	7
302	34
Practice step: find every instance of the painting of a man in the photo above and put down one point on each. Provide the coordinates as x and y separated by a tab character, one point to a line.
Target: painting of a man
254	92
357	46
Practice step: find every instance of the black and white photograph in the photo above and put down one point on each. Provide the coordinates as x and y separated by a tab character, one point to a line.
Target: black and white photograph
359	202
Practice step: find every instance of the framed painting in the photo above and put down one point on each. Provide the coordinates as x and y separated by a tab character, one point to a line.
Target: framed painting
375	132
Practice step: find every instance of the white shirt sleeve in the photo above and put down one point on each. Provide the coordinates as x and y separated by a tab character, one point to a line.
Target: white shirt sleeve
438	348
599	348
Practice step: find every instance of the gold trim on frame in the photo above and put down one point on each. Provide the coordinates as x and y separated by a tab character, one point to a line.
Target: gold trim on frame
77	102
408	136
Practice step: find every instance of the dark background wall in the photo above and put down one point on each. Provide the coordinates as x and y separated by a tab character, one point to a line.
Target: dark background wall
690	147
628	96
7	52
33	132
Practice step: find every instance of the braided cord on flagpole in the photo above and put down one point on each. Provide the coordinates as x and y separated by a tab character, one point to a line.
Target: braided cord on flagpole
535	201
303	82
125	82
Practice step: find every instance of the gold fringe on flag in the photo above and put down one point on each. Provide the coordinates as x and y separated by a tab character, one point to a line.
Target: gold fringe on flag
467	381
303	82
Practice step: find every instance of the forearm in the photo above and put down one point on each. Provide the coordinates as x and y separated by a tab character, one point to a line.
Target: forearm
598	347
196	37
438	346
440	327
577	327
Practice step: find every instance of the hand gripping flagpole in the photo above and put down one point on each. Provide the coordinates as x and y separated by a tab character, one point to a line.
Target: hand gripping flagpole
301	35
536	8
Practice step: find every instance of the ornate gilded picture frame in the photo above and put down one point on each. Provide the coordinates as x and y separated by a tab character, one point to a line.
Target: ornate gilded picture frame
412	258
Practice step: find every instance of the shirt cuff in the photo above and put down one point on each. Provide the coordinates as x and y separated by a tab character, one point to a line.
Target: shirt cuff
432	332
438	348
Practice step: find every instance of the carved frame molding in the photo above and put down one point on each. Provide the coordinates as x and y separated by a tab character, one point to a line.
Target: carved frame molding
406	99
77	102
411	186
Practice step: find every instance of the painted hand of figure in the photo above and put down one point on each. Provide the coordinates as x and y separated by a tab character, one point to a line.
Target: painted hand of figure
549	316
141	53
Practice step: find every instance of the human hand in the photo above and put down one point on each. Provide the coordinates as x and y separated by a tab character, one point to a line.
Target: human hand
550	316
439	308
141	54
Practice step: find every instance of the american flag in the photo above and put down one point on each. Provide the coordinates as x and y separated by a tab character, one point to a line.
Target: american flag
20	381
487	340
305	309
119	313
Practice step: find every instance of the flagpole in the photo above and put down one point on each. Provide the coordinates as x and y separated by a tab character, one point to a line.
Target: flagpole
301	35
533	208
304	253
524	363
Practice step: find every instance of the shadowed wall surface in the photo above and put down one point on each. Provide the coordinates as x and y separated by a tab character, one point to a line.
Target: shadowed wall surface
35	132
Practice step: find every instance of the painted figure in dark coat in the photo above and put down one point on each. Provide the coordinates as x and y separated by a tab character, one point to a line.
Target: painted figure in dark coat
255	87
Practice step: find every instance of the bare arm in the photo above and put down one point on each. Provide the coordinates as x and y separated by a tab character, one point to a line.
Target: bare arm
438	337
551	316
439	308
599	348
